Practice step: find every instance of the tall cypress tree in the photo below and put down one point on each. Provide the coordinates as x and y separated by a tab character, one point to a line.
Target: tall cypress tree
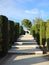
42	33
47	33
32	31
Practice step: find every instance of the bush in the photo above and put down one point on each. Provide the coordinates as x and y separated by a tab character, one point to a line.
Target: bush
32	31
4	34
21	31
37	32
16	31
11	32
47	33
42	33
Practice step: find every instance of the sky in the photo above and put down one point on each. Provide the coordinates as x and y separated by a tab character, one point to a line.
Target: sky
17	10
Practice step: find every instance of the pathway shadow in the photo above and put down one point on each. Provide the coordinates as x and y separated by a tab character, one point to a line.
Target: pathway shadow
31	61
26	41
9	58
14	59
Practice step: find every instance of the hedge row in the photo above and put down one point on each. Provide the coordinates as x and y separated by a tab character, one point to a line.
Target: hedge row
47	33
4	34
32	31
9	32
16	31
21	31
41	32
37	32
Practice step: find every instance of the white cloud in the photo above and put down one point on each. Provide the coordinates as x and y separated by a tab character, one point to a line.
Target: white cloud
33	11
12	9
36	12
20	14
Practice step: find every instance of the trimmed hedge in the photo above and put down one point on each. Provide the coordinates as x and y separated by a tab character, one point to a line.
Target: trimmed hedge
4	34
21	31
16	31
11	32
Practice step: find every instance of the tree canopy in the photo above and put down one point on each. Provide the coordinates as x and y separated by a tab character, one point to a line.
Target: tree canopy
26	23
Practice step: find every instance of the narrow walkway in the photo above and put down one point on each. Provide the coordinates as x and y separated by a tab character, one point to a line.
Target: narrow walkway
15	59
25	59
26	44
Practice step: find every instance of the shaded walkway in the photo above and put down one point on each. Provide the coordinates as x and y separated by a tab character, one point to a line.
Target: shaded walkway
24	48
25	60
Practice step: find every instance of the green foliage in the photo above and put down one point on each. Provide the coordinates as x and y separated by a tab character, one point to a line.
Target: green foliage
47	33
16	31
0	29
32	31
4	33
37	25
42	33
11	32
27	23
21	31
47	29
37	29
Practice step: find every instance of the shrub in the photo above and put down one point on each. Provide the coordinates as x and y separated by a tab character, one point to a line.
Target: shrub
4	34
16	30
32	31
37	32
42	33
21	31
47	33
11	32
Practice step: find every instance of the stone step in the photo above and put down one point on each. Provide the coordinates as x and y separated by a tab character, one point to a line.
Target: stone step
28	51
26	40
25	43
25	46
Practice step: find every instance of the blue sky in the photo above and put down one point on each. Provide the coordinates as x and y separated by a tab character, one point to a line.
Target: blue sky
17	10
